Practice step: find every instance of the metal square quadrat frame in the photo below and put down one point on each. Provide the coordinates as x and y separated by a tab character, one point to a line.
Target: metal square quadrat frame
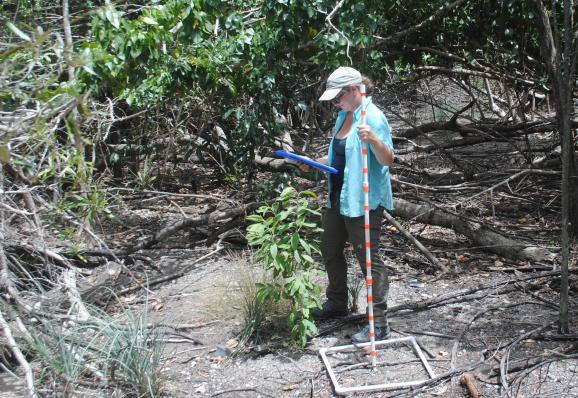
376	387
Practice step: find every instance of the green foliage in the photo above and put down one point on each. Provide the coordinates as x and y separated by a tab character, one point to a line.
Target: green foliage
283	234
127	354
86	207
51	123
246	60
254	313
144	178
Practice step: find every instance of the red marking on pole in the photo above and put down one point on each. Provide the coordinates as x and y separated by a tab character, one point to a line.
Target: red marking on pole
364	151
372	334
374	353
370	299
370	282
367	226
368	245
368	263
365	188
366	207
365	171
370	317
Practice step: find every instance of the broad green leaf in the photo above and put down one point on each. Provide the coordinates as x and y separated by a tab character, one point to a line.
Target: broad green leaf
4	154
273	250
297	256
149	21
305	245
295	241
258	229
112	15
255	218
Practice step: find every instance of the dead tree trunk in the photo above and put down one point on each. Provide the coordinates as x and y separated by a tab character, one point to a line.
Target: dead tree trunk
481	234
561	64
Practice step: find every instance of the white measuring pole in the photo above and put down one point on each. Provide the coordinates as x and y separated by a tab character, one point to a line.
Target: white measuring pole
368	278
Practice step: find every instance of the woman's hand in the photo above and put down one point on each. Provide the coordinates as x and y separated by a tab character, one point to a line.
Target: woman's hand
382	152
304	167
367	135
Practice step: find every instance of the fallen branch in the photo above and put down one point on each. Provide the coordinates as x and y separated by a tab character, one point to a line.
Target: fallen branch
481	234
246	389
164	233
183	195
174	275
416	243
507	180
19	356
506	356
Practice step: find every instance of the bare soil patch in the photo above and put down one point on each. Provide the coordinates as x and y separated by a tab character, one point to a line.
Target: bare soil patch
203	358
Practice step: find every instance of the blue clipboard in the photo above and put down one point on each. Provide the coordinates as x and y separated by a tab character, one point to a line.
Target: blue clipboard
306	160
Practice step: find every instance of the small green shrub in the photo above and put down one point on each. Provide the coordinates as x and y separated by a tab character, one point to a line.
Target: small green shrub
284	234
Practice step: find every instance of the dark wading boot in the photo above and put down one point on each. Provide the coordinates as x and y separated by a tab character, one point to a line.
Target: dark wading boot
328	311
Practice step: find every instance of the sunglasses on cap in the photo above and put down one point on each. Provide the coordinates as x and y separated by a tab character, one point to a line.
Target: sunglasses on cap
338	97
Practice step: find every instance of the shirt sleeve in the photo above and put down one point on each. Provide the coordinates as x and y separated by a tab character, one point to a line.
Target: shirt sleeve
380	126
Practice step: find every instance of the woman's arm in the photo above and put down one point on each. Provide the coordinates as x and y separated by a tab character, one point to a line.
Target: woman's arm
306	168
382	152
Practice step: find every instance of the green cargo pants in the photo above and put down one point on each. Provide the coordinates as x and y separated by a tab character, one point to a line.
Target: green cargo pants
337	229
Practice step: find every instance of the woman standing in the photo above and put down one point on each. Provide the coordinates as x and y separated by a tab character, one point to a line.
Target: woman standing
344	217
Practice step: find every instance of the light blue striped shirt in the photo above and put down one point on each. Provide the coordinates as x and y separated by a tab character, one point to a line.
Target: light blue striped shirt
351	199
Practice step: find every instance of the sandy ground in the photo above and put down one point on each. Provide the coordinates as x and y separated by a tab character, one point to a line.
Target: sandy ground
209	301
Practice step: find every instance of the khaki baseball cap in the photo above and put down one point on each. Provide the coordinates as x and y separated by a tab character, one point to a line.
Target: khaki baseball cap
343	76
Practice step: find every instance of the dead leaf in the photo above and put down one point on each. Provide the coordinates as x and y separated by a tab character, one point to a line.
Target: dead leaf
461	258
529	342
156	305
522	220
443	354
290	387
129	298
498	263
232	343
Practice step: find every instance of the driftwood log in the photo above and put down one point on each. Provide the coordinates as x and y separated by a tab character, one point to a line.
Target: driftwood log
482	235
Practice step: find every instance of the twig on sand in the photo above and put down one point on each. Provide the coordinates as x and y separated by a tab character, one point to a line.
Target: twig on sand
253	389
